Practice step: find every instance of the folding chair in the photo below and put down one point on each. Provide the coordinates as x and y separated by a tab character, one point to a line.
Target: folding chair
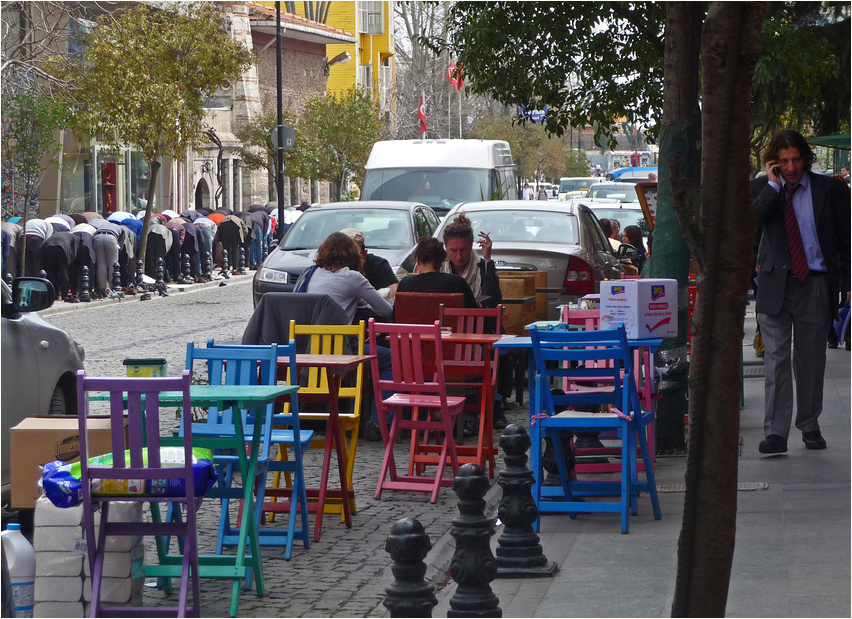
433	411
130	463
282	431
551	350
324	340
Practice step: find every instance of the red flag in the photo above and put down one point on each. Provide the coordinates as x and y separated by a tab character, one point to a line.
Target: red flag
454	75
421	114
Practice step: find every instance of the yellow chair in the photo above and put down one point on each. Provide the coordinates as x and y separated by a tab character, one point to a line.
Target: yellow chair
325	340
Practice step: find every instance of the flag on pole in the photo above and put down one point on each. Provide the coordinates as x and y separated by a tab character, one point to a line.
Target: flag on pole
454	75
421	114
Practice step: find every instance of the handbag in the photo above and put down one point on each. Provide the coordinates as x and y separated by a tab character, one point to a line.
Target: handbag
304	278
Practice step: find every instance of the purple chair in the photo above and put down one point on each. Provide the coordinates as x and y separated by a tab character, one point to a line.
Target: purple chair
129	463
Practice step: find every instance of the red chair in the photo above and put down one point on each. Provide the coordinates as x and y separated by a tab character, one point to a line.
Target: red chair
413	386
423	308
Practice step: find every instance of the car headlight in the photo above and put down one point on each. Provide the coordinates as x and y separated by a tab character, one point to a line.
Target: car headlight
272	276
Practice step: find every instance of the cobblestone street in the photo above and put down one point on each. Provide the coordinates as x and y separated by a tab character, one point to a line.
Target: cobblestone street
346	572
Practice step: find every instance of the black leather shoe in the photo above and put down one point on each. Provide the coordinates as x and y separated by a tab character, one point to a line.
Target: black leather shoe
813	440
773	444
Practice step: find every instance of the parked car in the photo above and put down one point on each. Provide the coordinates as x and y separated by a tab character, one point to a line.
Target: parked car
40	361
562	238
622	192
391	230
576	186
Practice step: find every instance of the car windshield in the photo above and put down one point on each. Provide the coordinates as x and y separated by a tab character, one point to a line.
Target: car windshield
627	193
576	184
439	188
382	228
525	226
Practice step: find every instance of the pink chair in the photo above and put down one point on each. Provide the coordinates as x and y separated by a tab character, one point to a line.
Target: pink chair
129	463
432	410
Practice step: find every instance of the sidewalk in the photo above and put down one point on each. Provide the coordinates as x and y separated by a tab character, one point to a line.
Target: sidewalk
792	556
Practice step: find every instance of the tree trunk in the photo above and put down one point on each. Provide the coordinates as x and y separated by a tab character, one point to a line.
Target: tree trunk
724	221
153	174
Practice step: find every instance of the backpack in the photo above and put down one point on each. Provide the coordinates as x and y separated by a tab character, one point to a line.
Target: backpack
304	278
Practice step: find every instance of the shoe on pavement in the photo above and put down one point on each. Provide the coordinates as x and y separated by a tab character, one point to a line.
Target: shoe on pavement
813	440
499	422
373	433
773	445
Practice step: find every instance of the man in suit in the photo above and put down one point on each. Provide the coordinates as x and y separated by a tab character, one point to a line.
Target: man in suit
804	272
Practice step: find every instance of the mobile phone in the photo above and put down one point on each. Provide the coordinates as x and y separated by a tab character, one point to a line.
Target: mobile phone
776	169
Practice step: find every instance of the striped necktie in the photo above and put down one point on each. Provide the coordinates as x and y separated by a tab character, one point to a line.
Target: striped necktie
797	248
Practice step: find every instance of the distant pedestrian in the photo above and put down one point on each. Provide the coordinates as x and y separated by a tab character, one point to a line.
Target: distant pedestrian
527	193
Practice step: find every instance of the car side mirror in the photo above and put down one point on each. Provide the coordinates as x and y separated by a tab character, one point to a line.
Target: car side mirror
32	294
626	251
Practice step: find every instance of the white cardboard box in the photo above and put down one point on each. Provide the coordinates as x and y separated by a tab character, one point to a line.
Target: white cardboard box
647	307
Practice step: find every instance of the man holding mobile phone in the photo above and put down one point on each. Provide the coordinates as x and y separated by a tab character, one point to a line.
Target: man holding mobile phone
804	271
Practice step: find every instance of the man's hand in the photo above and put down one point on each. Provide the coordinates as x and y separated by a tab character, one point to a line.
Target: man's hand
773	172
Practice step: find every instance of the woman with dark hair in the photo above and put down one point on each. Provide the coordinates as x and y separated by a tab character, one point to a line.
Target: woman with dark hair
339	275
430	255
480	273
633	236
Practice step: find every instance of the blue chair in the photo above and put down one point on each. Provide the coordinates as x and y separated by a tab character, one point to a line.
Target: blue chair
284	429
575	355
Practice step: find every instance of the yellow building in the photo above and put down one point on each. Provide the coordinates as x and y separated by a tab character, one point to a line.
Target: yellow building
370	61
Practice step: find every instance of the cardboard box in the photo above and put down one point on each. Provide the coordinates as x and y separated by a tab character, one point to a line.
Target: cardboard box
518	309
535	284
647	307
38	440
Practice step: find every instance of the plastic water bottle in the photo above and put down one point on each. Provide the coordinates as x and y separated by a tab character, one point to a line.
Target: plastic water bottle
21	559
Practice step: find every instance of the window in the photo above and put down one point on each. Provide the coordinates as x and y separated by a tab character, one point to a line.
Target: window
365	76
371	17
385	85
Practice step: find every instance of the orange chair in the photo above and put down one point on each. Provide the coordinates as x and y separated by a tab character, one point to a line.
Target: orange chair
425	392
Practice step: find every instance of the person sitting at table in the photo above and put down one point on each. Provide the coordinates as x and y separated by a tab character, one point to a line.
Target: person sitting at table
479	272
430	255
339	275
633	236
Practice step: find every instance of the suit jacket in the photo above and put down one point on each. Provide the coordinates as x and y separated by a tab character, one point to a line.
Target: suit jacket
830	198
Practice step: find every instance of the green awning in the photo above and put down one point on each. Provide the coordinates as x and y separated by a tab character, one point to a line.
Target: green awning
832	141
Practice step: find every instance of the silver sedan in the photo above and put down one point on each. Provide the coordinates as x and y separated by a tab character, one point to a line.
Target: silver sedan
561	238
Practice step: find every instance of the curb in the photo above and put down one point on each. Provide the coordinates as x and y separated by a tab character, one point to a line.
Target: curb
60	307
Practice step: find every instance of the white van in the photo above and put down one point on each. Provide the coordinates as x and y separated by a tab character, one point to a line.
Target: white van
440	173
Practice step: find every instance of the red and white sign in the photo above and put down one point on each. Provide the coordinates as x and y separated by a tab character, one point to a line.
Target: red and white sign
421	114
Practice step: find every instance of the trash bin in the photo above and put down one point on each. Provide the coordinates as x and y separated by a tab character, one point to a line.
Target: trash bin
146	367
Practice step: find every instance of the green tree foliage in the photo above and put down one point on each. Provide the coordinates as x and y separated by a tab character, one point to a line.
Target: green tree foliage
576	163
589	62
29	121
337	132
144	77
257	151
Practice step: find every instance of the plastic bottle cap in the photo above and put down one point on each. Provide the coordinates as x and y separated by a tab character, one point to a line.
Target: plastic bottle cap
13	526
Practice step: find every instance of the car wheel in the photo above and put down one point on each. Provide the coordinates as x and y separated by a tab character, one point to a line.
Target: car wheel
57	402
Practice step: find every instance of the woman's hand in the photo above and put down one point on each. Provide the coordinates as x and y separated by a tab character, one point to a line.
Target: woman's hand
485	244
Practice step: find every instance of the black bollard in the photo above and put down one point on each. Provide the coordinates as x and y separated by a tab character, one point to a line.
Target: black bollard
473	566
161	284
241	262
187	271
140	269
410	595
265	253
9	278
208	266
42	274
519	553
85	295
226	268
116	280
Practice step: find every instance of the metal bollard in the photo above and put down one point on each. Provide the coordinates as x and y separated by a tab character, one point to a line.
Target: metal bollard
187	270
9	278
241	262
410	595
473	566
161	284
519	553
85	294
225	266
42	274
140	269
208	266
116	279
